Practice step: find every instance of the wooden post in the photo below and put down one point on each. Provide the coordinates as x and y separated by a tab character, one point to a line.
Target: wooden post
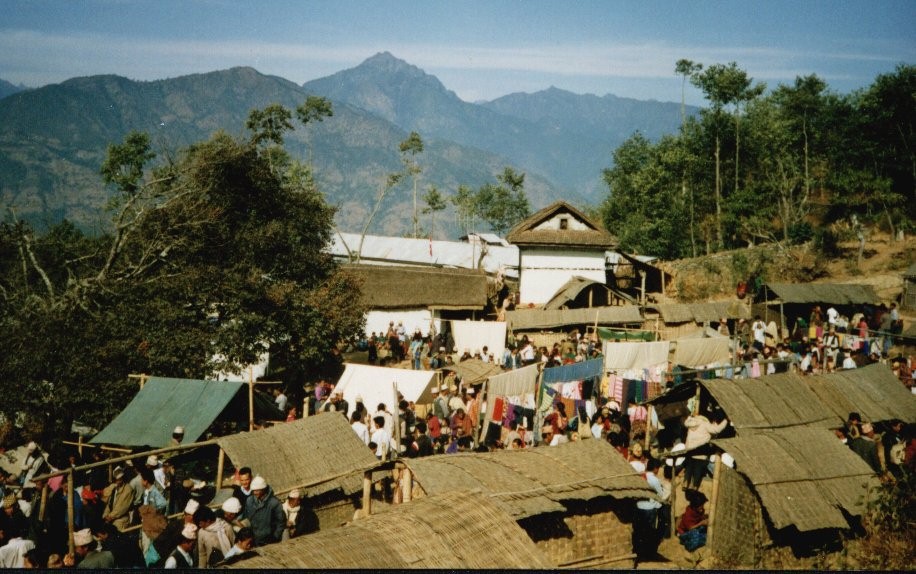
44	502
251	399
367	493
406	484
220	462
648	428
716	477
673	501
69	511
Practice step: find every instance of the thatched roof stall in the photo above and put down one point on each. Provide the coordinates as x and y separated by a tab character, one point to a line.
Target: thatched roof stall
165	403
574	500
774	401
872	391
818	293
679	319
534	481
455	530
792	490
806	478
908	297
317	454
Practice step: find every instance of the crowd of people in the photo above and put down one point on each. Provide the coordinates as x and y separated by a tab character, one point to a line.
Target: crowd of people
122	519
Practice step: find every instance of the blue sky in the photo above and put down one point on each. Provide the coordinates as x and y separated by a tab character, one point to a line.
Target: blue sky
478	49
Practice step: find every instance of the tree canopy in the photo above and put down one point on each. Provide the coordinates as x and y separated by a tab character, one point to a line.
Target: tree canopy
808	157
217	252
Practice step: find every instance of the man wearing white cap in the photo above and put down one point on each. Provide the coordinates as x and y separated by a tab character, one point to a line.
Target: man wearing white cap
265	512
177	436
87	553
183	556
230	511
152	463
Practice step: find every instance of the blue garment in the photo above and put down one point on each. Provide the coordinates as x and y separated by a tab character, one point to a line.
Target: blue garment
155	499
693	539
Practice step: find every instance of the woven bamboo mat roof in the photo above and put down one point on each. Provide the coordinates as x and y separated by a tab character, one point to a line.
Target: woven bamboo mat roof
805	477
524	319
872	391
457	530
534	481
700	312
772	401
318	453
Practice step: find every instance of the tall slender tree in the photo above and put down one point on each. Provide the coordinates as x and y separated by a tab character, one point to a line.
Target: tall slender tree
410	148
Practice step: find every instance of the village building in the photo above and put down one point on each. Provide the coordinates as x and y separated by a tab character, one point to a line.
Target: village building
545	327
786	303
908	298
556	244
421	298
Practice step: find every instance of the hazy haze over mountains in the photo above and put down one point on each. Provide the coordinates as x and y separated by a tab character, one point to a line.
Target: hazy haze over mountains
53	139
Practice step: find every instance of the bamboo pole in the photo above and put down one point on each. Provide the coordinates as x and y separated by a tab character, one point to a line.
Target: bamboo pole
131	456
87	445
251	399
69	510
716	477
44	502
674	489
220	463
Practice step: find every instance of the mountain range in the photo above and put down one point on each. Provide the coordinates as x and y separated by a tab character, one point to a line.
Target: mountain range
54	138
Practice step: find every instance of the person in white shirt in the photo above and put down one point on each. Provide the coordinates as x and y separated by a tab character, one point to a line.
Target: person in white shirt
359	427
382	439
832	315
646	535
183	557
760	333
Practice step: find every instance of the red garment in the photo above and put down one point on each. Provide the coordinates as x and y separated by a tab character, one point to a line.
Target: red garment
691	518
499	410
434	428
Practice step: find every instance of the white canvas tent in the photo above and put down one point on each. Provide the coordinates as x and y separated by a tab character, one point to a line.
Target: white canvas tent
374	385
475	335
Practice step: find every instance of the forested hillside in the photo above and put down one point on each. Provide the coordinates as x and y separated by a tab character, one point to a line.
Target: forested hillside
788	165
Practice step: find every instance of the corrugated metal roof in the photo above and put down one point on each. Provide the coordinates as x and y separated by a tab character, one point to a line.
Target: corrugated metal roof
534	481
164	403
831	293
318	453
405	250
525	319
803	476
453	531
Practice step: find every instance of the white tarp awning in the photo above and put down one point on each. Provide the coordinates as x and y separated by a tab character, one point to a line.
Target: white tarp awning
630	355
475	335
374	385
701	352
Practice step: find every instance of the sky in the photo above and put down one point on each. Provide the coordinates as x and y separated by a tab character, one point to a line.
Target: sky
481	50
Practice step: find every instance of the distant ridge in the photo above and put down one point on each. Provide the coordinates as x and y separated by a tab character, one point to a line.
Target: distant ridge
53	138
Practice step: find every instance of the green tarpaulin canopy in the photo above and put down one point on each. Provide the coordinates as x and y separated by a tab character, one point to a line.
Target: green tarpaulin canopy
164	403
615	335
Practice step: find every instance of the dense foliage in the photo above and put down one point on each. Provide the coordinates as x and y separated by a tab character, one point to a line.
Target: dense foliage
217	252
767	167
